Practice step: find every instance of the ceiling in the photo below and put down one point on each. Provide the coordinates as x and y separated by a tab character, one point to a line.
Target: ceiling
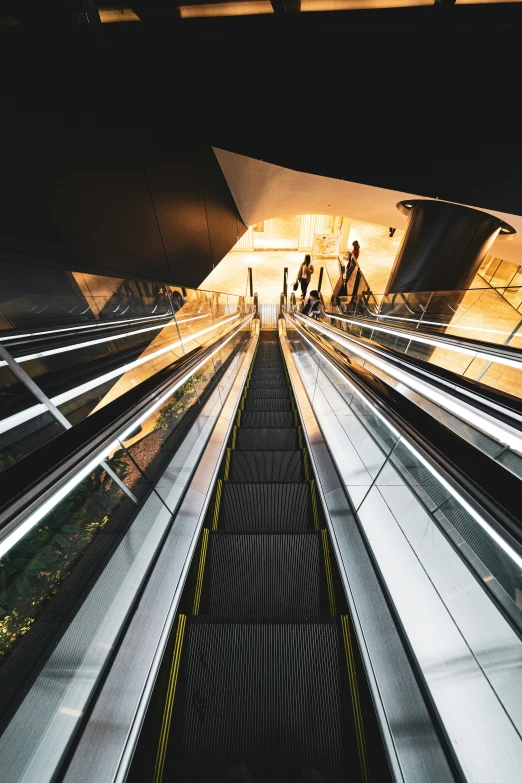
416	100
263	190
95	12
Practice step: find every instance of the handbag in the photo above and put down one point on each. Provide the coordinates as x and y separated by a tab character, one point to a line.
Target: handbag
295	285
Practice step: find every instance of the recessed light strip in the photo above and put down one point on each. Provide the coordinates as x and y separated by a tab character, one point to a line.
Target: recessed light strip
476	353
59	399
94	325
101	324
64	349
467	506
20	531
465	412
424	322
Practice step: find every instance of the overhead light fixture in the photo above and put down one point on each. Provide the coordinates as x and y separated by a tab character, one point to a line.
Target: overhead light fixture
118	14
248	8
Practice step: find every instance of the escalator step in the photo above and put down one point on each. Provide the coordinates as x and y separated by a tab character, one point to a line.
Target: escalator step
267	419
267	383
265	507
278	380
264	696
264	575
253	404
254	438
254	392
266	465
268	372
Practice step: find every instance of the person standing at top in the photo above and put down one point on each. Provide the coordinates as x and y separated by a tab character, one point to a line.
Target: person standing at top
305	273
351	257
354	253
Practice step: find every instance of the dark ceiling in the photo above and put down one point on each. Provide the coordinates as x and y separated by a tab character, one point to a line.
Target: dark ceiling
414	99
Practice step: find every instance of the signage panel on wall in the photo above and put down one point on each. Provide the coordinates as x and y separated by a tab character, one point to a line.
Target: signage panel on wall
326	244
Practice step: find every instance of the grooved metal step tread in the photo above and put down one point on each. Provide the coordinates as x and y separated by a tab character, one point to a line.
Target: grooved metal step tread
265	696
255	392
264	404
265	507
261	378
259	438
266	465
267	383
267	419
264	575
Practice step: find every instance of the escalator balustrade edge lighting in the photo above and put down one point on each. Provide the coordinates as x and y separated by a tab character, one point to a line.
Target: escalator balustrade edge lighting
515	557
506	436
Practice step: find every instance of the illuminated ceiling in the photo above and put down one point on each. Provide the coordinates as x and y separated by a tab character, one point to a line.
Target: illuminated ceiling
263	190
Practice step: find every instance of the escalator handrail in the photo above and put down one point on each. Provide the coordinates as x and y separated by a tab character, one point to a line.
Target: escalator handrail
486	485
46	341
504	406
477	346
29	482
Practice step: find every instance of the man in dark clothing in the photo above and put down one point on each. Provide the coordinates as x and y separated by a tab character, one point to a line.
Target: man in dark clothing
313	305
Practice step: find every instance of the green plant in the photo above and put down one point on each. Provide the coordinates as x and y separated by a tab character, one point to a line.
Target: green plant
181	399
10	460
32	571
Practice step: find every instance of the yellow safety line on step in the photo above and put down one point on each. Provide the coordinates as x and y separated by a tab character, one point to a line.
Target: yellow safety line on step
233	442
238	418
328	568
217	504
201	571
169	701
356	706
315	510
306	464
226	471
300	436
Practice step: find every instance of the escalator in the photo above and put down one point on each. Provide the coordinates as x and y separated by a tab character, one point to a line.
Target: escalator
263	683
296	578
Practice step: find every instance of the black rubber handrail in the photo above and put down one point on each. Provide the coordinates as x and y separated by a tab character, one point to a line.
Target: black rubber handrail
491	489
484	396
480	346
28	483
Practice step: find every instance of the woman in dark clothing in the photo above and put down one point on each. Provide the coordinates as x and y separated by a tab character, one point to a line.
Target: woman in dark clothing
305	273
